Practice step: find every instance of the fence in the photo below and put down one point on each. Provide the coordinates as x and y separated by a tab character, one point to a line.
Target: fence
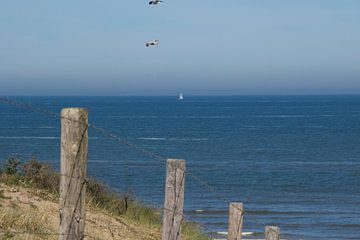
73	180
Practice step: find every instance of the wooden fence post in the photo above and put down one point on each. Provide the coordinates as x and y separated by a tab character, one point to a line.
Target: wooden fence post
272	233
235	221
74	148
174	199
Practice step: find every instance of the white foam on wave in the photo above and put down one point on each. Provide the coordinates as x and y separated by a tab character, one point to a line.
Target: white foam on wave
172	139
188	139
243	233
27	127
151	138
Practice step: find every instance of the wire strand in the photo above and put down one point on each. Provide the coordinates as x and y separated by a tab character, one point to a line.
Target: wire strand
120	140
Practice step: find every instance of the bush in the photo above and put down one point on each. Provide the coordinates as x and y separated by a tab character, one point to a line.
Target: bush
41	175
11	166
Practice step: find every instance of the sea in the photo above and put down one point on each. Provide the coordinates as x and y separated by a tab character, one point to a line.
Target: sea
293	161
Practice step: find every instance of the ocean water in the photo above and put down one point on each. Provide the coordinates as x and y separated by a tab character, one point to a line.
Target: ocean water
294	161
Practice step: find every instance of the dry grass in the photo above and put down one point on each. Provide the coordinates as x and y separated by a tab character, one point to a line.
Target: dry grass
26	215
29	203
18	221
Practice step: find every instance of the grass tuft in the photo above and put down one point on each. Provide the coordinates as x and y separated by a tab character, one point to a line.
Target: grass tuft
18	221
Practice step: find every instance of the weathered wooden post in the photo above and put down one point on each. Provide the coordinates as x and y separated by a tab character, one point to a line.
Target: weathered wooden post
74	148
235	221
174	199
272	233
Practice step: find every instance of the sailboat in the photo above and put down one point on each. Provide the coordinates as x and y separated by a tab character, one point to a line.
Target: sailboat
180	97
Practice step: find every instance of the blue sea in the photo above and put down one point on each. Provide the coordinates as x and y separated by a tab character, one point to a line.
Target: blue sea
294	161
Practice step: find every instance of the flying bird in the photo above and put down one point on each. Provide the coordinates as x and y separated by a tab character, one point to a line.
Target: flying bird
155	2
152	43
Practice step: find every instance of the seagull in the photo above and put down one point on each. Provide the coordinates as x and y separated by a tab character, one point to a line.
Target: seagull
152	43
155	2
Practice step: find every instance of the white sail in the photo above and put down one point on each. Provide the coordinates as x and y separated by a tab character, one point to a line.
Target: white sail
180	97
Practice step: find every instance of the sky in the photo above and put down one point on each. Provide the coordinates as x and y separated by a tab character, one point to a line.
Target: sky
207	47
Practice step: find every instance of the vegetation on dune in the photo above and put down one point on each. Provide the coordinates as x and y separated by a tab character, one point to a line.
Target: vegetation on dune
38	175
24	221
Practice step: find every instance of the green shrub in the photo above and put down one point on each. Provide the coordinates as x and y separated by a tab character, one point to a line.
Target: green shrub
41	175
11	166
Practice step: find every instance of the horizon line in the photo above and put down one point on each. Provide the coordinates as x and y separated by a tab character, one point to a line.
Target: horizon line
191	95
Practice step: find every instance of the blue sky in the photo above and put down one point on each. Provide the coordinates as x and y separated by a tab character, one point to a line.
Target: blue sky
206	47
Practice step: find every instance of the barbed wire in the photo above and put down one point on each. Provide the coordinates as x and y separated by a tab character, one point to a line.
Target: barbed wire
162	208
121	140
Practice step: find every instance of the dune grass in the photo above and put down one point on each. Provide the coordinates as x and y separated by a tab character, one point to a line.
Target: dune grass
14	219
39	175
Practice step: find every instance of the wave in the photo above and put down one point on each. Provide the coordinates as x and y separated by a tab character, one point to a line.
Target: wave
119	116
204	211
323	163
345	225
292	116
295	212
171	139
202	117
250	212
315	126
26	127
175	116
243	233
188	139
261	212
23	137
152	138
